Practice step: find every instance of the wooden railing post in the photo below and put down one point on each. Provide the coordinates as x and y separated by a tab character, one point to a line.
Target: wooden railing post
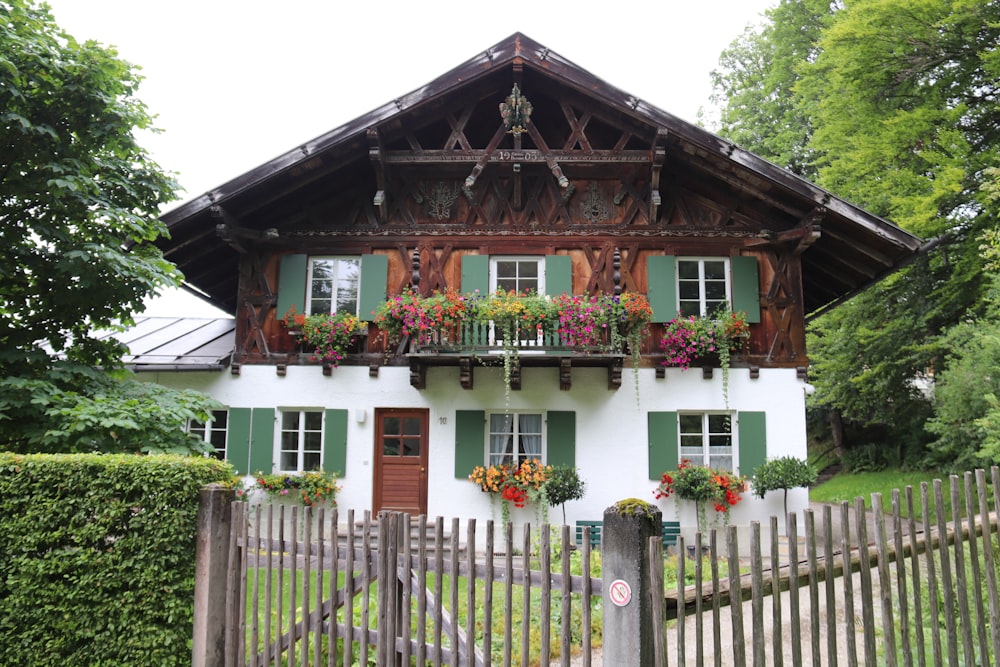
628	598
211	575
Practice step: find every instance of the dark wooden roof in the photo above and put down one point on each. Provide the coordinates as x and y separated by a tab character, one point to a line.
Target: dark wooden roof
846	251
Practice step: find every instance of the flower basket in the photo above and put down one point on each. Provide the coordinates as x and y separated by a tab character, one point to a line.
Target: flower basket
689	340
703	486
513	485
330	336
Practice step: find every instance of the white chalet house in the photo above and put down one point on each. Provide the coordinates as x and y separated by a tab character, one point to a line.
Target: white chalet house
516	170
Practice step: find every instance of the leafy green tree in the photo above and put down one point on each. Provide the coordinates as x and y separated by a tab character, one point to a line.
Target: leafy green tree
897	108
782	474
79	200
562	485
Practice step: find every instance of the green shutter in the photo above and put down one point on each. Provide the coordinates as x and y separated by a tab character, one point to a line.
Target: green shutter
292	284
661	276
335	442
476	274
238	440
746	287
374	275
561	436
664	448
558	275
753	441
470	441
262	440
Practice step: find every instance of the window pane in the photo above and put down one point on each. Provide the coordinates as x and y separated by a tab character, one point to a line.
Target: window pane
719	423
715	270
312	442
411	426
218	439
687	270
715	291
311	461
692	441
390	446
290	441
690	309
390	425
411	446
290	421
314	421
289	460
688	291
690	423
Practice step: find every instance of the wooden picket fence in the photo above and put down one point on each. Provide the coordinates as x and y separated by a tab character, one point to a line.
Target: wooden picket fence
312	591
854	586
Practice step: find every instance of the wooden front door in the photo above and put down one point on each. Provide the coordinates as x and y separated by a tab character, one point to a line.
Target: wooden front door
401	460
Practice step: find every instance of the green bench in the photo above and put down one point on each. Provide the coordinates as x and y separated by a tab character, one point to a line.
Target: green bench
669	531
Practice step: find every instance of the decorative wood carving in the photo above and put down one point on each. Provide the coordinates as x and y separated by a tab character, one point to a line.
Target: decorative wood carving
418	374
465	372
565	374
659	156
615	376
377	156
256	303
783	309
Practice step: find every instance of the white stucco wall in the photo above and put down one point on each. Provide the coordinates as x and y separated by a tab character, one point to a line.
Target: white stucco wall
611	426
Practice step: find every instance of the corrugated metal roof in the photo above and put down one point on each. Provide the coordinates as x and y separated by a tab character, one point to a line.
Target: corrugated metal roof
178	343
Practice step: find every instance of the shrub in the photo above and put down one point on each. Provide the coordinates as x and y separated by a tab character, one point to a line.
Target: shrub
98	557
564	484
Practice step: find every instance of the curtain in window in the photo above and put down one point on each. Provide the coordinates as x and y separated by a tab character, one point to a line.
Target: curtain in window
501	439
530	430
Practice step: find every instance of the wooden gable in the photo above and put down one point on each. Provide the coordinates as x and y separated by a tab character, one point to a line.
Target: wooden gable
438	171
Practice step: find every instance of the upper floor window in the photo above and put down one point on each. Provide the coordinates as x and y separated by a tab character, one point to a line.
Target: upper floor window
213	432
702	286
706	438
515	437
301	441
520	274
333	285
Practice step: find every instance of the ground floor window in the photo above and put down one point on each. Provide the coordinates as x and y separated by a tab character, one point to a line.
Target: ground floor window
706	438
515	438
213	432
301	441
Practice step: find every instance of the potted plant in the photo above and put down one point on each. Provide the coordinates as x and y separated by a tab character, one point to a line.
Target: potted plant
702	485
686	340
330	336
513	484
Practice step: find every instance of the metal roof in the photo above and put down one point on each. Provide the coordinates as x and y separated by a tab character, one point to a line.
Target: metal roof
178	343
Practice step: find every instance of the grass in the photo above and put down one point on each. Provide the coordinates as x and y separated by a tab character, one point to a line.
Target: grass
848	486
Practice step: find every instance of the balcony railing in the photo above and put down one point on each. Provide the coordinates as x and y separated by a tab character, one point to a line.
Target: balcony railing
487	338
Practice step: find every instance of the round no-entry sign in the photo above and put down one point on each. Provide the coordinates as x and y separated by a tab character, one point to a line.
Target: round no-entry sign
620	593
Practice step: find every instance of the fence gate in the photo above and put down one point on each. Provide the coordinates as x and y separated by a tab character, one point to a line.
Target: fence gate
306	589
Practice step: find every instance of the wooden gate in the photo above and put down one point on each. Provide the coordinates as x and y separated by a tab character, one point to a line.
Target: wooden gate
309	590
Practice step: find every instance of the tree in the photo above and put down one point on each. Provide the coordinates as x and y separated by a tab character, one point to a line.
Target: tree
78	214
563	484
898	109
782	474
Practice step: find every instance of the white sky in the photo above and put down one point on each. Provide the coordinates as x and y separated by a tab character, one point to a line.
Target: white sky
235	83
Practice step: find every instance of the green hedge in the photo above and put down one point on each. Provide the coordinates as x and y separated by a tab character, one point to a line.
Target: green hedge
97	557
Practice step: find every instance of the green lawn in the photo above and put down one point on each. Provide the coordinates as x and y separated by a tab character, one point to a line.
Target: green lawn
848	486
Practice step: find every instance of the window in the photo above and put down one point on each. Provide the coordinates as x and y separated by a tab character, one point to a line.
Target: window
706	438
702	286
333	285
515	437
301	441
214	432
520	274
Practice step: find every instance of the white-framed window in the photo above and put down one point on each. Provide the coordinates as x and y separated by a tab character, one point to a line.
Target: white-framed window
334	285
702	285
706	438
212	432
301	441
515	437
520	274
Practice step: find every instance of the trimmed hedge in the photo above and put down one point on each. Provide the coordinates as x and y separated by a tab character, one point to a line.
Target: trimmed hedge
97	557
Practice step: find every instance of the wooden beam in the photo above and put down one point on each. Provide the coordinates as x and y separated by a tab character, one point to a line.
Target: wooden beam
659	157
376	154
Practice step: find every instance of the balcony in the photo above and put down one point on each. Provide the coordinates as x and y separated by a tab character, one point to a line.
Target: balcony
515	331
472	344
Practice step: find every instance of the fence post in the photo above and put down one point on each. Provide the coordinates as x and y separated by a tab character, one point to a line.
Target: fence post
628	598
211	565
